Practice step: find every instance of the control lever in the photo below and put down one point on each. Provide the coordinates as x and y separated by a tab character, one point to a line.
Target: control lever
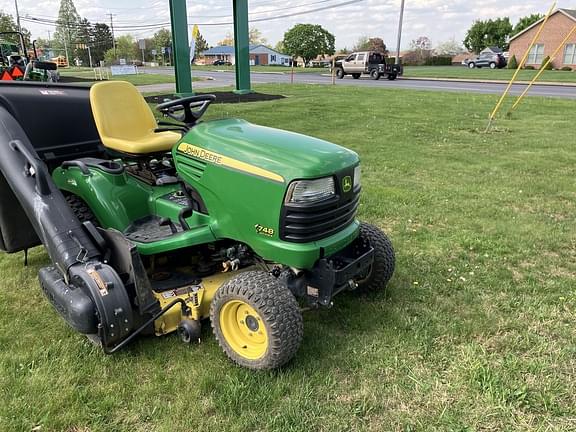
167	222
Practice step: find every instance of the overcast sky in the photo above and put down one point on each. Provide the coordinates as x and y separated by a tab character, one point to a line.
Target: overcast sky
440	20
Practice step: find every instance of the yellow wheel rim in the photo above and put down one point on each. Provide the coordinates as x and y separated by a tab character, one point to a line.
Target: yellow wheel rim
243	329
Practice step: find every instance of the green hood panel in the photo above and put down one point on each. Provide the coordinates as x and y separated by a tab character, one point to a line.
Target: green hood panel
289	154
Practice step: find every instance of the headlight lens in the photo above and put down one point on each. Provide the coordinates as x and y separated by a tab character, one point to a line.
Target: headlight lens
357	176
306	191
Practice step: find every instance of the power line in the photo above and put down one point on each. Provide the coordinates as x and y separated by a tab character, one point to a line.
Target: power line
43	21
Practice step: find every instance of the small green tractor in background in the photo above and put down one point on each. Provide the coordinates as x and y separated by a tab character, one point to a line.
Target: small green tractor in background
16	64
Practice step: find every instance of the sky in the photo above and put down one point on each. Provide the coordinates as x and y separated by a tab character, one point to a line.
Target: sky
348	20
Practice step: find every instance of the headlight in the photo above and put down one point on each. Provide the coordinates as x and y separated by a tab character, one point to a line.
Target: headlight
306	191
357	176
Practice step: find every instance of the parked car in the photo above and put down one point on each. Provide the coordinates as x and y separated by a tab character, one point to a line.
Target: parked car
369	63
222	63
488	59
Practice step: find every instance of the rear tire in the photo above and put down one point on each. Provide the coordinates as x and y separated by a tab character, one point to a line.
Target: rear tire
81	209
340	73
392	77
257	321
375	75
356	75
492	65
384	259
471	65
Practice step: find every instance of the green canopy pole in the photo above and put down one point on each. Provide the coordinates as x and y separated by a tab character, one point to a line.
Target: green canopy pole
242	47
181	47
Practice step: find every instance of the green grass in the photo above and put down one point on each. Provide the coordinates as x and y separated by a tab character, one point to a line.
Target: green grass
140	79
476	331
276	69
463	72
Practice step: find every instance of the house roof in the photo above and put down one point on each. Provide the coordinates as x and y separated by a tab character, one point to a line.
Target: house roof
229	50
220	50
570	13
493	49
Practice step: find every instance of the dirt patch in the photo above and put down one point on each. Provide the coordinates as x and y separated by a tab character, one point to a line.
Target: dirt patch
222	97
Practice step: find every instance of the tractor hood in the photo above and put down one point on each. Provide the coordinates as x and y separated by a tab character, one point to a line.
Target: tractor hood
287	154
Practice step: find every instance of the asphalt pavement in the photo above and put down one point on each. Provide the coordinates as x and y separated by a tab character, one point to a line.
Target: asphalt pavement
227	78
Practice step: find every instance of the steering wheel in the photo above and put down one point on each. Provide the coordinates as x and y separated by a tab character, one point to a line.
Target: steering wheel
194	108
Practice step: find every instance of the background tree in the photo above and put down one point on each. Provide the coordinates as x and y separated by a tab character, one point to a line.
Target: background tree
201	45
423	43
420	51
308	41
101	41
84	39
227	41
483	34
526	22
126	48
162	39
449	48
280	47
7	24
513	63
67	26
377	44
362	44
255	37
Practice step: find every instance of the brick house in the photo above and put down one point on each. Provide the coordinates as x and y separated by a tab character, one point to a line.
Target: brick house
557	28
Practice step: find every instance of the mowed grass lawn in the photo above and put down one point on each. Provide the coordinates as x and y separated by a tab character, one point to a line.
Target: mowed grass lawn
462	72
140	79
476	330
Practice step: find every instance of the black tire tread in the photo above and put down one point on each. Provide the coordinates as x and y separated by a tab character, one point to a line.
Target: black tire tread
279	311
384	258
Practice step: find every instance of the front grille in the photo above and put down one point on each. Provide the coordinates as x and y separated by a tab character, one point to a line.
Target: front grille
306	223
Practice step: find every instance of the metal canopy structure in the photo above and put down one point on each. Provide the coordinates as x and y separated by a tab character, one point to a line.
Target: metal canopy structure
181	46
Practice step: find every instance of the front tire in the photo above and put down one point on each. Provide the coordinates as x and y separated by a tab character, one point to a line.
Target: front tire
340	73
492	65
375	75
257	321
392	77
471	65
384	259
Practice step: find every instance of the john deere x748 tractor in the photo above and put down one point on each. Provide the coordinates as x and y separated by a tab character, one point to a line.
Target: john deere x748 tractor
154	228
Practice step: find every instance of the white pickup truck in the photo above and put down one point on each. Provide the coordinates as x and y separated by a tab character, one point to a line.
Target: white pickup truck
368	63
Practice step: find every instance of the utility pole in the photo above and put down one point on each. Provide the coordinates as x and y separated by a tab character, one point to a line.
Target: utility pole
89	55
66	39
400	32
17	16
112	30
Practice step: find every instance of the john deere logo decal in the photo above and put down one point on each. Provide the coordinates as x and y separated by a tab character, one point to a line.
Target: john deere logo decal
347	184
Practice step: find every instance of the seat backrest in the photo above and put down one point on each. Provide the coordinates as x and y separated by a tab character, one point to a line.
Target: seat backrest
120	111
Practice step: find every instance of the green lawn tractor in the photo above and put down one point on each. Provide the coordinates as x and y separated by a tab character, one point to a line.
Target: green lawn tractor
155	228
16	64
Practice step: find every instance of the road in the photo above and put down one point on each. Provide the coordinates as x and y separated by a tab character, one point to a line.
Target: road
223	79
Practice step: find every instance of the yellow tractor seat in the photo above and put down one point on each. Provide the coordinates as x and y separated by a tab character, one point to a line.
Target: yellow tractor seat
125	121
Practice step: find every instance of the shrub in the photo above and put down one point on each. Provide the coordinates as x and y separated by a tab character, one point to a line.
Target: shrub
438	61
513	63
546	60
567	69
529	67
